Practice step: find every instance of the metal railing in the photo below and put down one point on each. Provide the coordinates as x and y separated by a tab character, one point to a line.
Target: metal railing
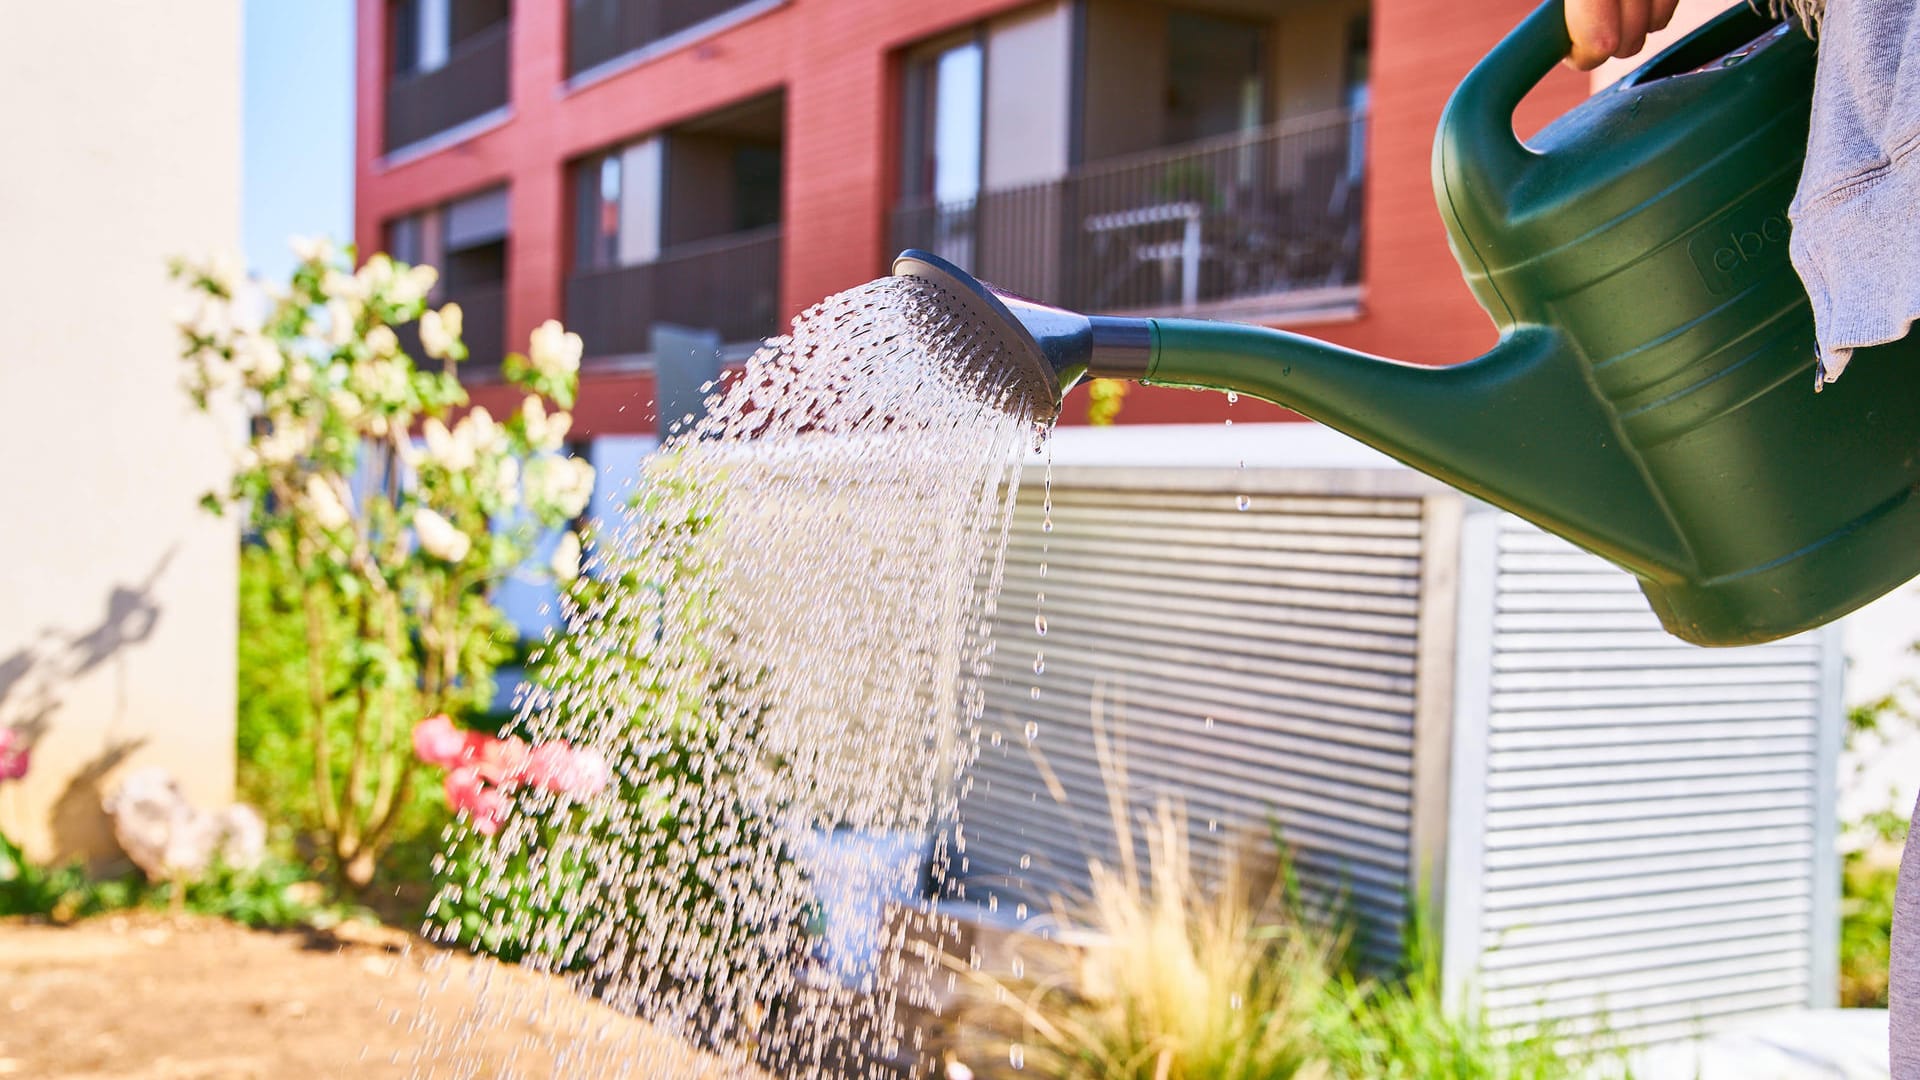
472	83
730	284
1269	212
603	30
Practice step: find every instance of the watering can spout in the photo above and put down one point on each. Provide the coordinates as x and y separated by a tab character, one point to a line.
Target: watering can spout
1517	427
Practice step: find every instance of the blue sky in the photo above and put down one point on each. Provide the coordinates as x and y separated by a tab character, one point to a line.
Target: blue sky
296	127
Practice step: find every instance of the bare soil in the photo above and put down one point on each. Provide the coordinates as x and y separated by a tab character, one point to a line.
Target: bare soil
176	998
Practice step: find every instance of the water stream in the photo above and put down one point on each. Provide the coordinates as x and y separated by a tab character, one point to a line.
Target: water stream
782	655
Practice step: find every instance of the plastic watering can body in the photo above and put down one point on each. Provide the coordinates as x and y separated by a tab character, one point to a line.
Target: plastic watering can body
1652	395
1646	231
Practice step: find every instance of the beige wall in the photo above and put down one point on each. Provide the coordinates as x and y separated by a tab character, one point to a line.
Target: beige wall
1310	57
1028	96
1126	77
116	591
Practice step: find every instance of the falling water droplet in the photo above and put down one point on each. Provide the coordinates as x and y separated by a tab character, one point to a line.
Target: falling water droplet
1040	625
1019	968
1241	502
1020	912
1212	825
1033	731
1026	860
1039	663
1209	723
1046	524
1017	1056
1233	397
1233	1002
994	738
1033	692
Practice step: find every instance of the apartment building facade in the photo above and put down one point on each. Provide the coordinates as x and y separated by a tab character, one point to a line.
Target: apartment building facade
721	165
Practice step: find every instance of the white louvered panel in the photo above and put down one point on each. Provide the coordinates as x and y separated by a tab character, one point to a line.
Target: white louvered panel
1291	625
1651	810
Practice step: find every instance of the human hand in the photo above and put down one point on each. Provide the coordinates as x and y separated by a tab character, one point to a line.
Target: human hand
1609	28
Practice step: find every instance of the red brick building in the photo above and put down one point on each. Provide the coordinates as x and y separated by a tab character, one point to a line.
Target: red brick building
723	164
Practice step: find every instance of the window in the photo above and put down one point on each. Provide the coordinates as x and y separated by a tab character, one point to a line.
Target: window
596	243
1216	76
1359	49
944	96
425	33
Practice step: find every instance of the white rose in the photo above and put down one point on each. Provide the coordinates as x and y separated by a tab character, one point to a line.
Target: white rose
438	537
563	484
226	271
346	404
412	286
312	249
553	351
565	563
506	479
453	454
338	286
260	358
382	341
381	380
439	330
375	277
545	431
287	440
480	432
343	318
326	505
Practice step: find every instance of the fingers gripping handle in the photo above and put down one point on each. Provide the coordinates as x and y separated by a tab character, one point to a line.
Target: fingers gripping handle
1476	138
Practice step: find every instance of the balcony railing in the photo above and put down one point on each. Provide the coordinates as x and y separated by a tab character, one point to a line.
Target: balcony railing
472	83
730	284
603	30
1270	212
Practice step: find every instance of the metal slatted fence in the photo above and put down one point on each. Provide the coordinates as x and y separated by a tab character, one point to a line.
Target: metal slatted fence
1257	664
1654	821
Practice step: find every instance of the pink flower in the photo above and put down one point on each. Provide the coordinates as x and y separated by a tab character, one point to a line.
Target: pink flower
437	742
15	755
485	805
561	769
503	761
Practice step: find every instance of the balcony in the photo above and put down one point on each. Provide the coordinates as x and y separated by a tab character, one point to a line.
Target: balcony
471	84
1266	220
602	30
729	284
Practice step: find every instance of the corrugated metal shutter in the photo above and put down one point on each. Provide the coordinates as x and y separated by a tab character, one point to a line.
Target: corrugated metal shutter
1258	664
1658	818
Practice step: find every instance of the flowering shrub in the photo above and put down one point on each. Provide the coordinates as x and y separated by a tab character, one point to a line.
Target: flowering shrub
389	511
483	770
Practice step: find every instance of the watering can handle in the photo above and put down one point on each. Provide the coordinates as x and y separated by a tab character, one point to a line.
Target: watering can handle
1476	131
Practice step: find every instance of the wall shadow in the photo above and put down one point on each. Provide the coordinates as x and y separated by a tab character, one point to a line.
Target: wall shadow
34	682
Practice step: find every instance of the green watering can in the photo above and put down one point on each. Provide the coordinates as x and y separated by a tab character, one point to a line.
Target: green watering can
1652	395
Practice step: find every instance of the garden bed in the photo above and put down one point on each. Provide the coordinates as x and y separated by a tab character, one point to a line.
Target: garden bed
157	996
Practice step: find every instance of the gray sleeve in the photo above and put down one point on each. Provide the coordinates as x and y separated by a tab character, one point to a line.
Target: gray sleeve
1856	214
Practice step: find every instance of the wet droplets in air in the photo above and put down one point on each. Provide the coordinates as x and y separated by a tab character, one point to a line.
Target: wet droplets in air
1040	625
871	446
1033	731
1039	663
1017	1056
1242	502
